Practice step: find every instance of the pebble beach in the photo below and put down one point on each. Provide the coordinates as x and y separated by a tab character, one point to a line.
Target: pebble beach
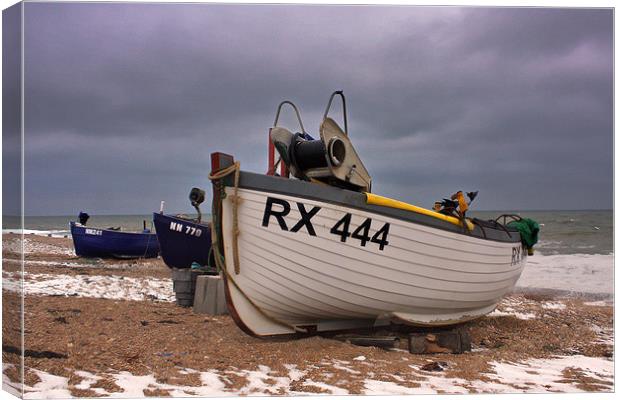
111	328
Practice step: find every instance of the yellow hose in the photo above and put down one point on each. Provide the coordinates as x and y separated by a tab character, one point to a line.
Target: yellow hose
391	203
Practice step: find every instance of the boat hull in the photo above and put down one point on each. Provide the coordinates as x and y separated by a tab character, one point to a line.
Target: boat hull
96	242
182	242
309	273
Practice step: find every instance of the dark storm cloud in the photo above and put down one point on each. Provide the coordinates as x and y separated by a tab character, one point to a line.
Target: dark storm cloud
11	112
124	102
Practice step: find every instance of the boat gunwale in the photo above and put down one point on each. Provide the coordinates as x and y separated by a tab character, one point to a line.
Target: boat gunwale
170	216
73	225
421	243
356	200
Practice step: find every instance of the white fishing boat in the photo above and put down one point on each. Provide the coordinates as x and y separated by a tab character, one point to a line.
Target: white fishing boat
322	253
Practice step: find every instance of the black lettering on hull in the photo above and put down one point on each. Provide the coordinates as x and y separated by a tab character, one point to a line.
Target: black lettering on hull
279	215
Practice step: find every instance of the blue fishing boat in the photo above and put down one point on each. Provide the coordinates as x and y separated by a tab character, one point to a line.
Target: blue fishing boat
110	243
184	240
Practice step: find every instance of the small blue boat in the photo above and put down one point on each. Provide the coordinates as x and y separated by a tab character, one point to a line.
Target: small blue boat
182	241
106	243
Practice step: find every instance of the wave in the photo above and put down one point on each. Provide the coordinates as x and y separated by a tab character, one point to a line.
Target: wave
590	273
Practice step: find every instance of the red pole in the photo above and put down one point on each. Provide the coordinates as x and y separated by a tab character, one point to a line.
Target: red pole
271	169
272	161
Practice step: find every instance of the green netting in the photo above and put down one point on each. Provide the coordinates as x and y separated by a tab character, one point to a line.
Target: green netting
528	228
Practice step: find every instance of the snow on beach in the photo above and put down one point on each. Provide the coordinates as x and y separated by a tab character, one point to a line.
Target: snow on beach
95	264
33	246
511	307
529	376
553	373
112	287
56	233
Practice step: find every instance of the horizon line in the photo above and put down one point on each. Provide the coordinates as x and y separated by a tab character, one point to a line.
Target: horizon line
472	211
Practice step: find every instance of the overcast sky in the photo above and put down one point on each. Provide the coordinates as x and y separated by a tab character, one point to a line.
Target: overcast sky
125	102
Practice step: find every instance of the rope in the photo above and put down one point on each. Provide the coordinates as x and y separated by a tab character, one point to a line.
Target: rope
235	202
148	243
219	258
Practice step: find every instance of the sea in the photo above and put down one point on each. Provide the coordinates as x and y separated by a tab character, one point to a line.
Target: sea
575	252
